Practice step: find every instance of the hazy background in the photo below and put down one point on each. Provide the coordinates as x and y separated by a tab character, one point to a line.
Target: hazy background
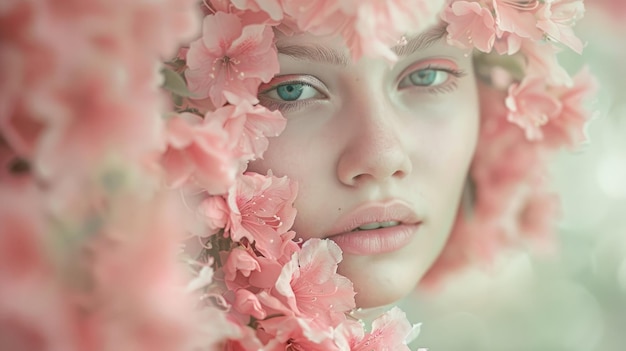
575	301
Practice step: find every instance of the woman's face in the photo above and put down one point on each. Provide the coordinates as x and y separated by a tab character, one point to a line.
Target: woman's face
380	152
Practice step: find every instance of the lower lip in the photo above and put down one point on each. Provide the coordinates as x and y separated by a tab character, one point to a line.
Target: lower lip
376	241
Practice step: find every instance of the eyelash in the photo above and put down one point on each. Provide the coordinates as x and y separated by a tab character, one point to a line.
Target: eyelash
287	106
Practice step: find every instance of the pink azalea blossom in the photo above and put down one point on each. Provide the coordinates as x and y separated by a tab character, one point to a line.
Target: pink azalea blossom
261	210
512	26
541	61
507	43
556	19
369	28
145	301
310	286
470	25
248	127
322	17
520	22
379	25
243	269
230	56
294	333
198	151
569	127
531	106
214	212
240	262
246	341
390	332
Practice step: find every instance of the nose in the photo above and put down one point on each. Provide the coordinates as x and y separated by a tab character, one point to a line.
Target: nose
375	151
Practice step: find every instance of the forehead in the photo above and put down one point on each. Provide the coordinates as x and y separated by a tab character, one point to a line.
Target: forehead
333	50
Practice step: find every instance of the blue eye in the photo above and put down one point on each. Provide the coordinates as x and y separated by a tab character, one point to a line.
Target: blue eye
290	92
427	77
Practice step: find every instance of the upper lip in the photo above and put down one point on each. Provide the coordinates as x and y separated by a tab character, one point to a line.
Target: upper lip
394	210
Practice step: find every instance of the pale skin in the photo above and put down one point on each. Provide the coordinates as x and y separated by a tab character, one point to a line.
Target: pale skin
368	132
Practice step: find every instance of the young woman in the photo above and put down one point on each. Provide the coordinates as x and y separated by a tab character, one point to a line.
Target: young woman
333	154
380	152
382	128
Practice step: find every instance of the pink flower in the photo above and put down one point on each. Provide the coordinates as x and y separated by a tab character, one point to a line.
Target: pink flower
507	43
214	212
230	56
36	311
322	17
137	283
531	106
261	210
512	26
289	332
198	151
380	25
568	128
239	262
310	286
243	269
162	28
542	62
511	19
556	19
247	303
537	217
470	25
368	27
248	127
390	332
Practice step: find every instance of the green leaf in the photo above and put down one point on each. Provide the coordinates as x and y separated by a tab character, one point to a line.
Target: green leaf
174	83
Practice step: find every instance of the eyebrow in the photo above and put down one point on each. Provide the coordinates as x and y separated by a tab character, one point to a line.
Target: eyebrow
324	54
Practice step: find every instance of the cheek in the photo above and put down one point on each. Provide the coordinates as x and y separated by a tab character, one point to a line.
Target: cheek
445	139
308	158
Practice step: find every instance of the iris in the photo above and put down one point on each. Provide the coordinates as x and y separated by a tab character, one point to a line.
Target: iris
290	92
424	77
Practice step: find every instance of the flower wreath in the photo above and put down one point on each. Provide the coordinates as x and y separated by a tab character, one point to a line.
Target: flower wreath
88	231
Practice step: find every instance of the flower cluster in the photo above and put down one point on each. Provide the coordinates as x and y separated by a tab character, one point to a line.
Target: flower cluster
530	108
95	160
89	241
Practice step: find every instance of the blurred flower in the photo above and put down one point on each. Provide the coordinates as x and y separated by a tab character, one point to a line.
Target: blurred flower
198	151
531	106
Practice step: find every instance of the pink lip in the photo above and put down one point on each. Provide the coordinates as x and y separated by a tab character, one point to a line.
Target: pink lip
376	241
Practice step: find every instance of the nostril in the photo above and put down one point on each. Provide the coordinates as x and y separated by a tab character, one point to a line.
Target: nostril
399	174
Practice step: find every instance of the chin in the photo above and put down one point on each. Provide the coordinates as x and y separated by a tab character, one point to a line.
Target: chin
379	282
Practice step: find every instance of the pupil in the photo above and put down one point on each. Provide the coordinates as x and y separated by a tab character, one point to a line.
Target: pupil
424	77
290	92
